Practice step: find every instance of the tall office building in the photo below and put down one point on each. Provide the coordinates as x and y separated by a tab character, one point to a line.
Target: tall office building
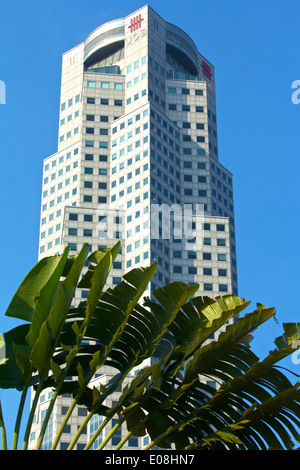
137	160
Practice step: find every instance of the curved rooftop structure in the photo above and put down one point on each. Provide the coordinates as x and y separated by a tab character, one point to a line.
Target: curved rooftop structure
110	38
104	41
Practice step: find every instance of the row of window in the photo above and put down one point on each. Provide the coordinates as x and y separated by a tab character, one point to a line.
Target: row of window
205	271
66	196
185	108
60	173
206	241
163	123
69	118
69	102
60	160
60	185
184	91
221	173
135	65
136	80
68	134
206	256
105	85
191	192
122	166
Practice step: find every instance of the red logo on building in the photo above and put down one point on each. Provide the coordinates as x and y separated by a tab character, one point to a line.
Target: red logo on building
206	70
135	23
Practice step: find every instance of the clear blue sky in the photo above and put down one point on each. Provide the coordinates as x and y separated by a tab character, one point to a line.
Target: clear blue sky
254	46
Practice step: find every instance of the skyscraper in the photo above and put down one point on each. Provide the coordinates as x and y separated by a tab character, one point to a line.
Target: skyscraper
137	161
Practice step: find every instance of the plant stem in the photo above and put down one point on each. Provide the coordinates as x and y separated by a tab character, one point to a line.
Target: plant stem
64	422
46	420
3	431
31	415
18	420
123	441
80	429
97	432
111	433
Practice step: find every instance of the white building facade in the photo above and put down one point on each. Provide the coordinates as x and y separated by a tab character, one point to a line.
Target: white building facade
137	161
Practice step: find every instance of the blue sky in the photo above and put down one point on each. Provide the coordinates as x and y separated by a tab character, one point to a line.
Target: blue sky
254	47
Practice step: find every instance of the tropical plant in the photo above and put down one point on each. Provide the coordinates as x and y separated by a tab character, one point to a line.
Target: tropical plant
194	392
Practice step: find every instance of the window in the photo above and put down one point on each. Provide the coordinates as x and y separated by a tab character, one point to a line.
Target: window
72	246
133	441
104	85
185	91
88	218
220	228
91	84
82	411
206	256
207	272
223	288
117	435
192	270
208	287
118	86
172	90
221	257
199	109
188	178
118	103
172	107
221	242
87	232
72	231
117	265
90	100
104	101
73	216
177	269
188	192
222	272
199	92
